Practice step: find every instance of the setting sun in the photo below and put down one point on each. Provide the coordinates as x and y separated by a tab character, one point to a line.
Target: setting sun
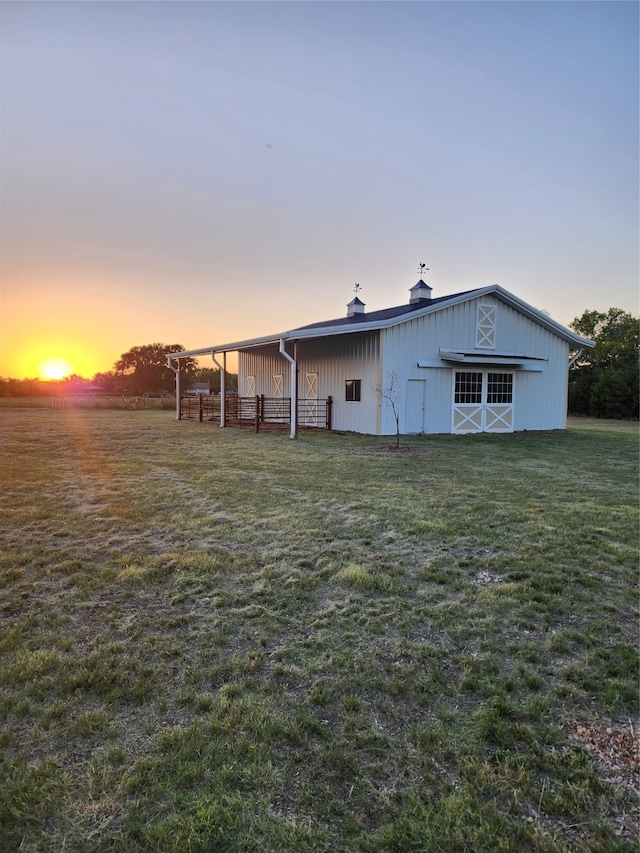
50	357
55	368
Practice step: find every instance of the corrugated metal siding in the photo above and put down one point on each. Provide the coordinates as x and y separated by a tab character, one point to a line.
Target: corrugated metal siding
540	399
335	360
340	358
420	338
263	363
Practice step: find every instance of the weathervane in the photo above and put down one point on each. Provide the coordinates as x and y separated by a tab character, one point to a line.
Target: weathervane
422	269
356	288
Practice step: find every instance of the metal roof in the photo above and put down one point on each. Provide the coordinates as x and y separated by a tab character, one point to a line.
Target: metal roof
374	320
377	316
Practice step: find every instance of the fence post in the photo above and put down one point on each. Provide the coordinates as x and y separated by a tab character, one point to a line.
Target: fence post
257	412
329	411
200	407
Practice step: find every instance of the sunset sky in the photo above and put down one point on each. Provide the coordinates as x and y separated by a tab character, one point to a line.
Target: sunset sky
203	172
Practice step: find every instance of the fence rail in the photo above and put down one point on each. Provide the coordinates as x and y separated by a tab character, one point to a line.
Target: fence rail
204	408
90	401
259	411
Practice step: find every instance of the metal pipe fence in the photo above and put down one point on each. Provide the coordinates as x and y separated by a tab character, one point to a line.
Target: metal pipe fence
257	411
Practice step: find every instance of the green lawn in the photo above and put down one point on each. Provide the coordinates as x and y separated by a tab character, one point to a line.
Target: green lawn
212	640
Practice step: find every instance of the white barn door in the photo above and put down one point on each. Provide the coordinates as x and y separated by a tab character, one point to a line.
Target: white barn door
482	402
278	406
310	400
416	389
498	411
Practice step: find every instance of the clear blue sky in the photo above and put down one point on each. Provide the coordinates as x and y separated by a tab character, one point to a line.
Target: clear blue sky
200	172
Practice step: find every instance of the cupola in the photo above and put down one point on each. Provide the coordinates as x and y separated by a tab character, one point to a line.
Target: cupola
355	307
420	292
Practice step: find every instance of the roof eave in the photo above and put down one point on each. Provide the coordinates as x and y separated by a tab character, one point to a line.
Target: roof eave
230	347
538	316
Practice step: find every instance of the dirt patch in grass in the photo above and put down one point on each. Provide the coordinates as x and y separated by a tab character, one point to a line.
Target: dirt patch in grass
614	745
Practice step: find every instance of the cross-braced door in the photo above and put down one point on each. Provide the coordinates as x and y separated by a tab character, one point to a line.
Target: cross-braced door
278	405
482	402
498	412
310	400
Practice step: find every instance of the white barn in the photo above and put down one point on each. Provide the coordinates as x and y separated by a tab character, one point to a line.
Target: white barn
478	361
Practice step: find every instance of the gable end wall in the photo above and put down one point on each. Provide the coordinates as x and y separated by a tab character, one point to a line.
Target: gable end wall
540	399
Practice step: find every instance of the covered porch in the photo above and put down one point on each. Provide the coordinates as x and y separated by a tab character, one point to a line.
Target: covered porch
233	410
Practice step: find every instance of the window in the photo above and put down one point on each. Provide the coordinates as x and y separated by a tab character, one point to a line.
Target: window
352	390
500	388
468	388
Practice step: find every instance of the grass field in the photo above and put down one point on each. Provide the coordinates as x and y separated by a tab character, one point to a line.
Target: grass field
213	640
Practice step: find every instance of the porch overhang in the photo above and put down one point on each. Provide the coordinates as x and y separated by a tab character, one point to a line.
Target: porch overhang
235	346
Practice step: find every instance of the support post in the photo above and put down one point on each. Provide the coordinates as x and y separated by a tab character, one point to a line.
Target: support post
294	389
295	409
329	411
223	386
176	370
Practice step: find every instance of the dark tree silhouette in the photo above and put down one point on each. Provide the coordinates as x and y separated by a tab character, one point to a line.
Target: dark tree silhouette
604	382
145	369
212	376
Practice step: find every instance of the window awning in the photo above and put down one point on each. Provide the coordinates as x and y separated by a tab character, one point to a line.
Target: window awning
492	357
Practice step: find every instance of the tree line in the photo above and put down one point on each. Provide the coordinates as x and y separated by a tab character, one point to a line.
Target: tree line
603	381
141	370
